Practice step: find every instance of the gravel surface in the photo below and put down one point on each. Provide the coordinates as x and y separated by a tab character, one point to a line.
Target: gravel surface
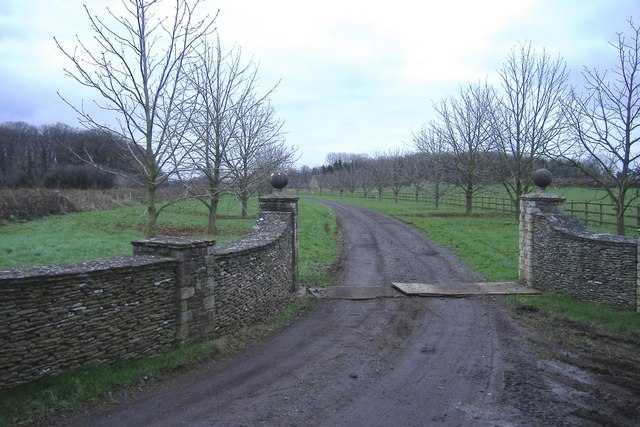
381	362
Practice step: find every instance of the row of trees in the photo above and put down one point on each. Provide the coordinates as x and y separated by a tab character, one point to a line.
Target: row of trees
190	110
396	170
530	118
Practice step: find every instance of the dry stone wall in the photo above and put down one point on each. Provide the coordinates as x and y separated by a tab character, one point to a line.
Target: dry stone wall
253	275
172	291
595	267
559	254
62	317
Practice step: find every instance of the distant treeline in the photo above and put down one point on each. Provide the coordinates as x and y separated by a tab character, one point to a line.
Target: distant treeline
43	156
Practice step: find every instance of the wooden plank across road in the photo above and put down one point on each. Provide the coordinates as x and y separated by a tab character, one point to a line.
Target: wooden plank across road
422	289
464	289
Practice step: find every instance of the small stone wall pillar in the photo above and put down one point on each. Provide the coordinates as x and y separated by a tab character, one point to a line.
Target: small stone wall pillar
195	313
278	201
530	205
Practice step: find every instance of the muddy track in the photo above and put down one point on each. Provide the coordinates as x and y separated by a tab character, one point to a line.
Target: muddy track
390	361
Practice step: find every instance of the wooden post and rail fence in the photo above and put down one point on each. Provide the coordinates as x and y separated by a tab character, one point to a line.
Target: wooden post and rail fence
594	212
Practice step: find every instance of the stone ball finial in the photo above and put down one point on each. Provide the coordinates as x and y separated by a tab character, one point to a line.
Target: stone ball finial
542	178
279	180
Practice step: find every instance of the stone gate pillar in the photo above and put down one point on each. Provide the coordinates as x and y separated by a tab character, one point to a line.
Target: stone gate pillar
279	201
530	205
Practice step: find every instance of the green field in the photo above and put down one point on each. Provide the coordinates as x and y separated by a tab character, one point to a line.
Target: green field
96	234
107	233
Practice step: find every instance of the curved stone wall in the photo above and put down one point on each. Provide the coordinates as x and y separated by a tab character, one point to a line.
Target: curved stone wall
171	291
559	254
595	267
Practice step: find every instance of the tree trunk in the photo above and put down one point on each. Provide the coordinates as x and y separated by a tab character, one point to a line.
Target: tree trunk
244	201
519	190
152	212
468	195
212	227
516	203
620	229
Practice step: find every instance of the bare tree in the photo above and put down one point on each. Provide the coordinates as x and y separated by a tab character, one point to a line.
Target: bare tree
349	173
416	173
604	124
348	178
223	83
138	68
398	170
299	178
434	162
364	177
257	150
379	168
464	129
528	115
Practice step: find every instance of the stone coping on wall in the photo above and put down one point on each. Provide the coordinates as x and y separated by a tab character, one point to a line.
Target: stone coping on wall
173	242
542	195
568	224
268	228
280	195
87	267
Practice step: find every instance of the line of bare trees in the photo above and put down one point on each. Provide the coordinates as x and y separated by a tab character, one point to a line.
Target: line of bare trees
191	110
499	134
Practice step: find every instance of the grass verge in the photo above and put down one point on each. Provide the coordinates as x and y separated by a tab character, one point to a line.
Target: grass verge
318	250
624	324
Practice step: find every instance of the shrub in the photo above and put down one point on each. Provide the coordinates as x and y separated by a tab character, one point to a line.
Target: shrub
28	204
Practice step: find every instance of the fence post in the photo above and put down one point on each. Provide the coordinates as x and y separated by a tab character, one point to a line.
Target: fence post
600	205
586	213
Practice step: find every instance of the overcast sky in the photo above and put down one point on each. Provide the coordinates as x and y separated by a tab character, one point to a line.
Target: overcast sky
355	76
